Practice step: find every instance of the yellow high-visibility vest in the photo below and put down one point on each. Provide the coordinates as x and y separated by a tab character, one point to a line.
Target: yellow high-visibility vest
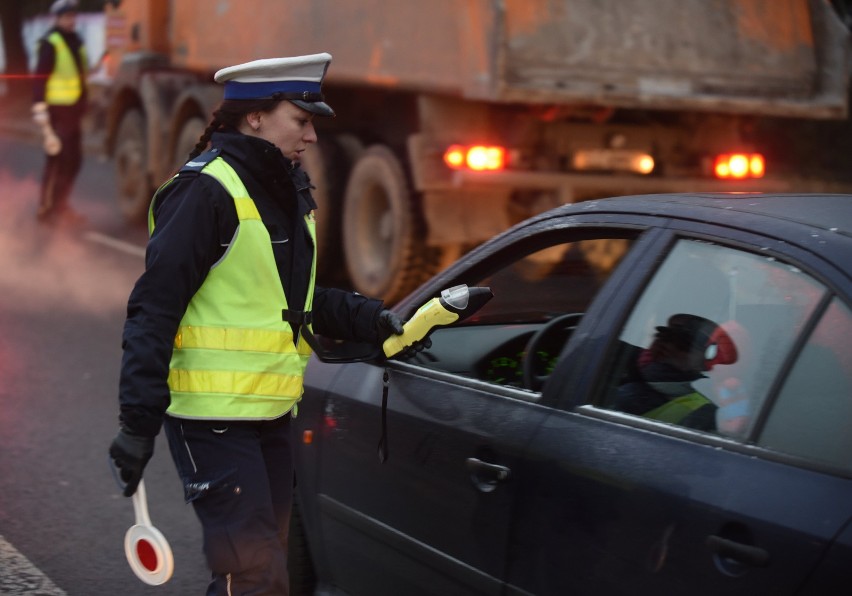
234	355
678	408
64	87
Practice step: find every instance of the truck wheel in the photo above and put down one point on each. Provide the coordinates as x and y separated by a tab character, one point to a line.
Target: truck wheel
382	228
302	575
351	146
327	165
190	133
131	167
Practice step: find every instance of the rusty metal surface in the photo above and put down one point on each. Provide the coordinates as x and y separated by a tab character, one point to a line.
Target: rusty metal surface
767	56
746	44
725	53
389	44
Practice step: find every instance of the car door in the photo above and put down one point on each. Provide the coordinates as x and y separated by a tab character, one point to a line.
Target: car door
733	493
435	516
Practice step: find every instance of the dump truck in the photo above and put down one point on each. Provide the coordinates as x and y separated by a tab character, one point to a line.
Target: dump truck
458	118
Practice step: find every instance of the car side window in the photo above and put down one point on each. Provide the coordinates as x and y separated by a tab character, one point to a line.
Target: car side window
708	337
531	288
559	279
812	415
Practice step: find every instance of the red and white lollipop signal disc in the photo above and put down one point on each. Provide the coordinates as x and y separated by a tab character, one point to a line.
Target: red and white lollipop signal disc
148	552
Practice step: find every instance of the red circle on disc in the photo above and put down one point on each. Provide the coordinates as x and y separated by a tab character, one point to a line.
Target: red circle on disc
147	555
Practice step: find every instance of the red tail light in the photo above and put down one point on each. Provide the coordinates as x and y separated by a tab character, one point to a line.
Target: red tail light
739	166
476	157
757	166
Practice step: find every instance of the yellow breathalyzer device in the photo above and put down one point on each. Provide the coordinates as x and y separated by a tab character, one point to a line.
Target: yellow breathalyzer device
454	304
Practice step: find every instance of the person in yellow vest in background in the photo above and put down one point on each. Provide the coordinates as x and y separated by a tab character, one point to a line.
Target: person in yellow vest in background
59	103
219	325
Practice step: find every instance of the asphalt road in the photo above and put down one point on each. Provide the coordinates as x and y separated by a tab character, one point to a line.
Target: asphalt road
63	293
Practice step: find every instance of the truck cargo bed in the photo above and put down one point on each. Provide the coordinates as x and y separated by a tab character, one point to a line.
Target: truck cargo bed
782	57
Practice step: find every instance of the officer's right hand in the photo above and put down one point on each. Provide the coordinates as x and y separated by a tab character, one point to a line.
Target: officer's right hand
51	144
411	351
388	323
40	115
130	453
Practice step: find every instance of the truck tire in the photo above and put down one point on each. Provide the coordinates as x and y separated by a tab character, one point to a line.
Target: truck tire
327	164
302	575
351	146
382	228
131	167
186	141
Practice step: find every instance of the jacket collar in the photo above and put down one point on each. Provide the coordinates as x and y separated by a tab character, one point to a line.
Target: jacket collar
266	164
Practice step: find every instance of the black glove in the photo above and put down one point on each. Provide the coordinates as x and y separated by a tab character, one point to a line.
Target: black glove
387	324
131	453
411	351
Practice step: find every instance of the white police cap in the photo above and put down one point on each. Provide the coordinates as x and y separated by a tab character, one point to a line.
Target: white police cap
62	6
298	79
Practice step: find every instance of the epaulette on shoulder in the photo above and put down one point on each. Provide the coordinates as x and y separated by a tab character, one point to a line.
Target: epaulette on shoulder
195	165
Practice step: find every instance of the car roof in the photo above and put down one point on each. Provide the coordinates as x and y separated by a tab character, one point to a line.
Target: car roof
828	212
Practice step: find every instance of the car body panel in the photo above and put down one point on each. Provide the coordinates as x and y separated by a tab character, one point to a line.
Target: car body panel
366	504
490	489
609	508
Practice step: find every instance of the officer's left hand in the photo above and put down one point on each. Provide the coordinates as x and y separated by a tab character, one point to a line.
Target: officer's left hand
130	453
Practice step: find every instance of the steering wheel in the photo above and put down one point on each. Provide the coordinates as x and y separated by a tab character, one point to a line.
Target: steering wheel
560	329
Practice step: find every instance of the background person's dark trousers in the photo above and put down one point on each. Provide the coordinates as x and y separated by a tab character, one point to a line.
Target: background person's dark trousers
60	170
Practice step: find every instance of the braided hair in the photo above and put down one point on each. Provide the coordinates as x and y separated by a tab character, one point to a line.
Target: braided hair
229	115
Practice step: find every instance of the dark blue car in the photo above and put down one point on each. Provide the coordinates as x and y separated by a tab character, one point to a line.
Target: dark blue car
657	400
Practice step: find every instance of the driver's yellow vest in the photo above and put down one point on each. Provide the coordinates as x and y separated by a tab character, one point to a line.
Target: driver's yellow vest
63	85
679	408
234	355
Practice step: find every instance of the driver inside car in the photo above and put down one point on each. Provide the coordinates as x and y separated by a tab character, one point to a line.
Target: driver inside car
660	386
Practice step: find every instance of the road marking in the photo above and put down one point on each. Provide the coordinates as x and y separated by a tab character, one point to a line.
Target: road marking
120	245
18	576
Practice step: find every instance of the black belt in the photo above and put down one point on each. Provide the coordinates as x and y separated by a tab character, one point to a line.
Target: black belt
299	321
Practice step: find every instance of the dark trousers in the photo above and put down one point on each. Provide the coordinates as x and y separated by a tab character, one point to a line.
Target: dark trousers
60	170
239	478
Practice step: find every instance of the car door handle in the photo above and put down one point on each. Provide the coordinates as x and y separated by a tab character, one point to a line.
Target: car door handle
743	553
495	470
485	476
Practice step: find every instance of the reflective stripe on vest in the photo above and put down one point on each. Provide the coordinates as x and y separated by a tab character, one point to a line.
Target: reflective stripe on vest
63	84
679	408
234	356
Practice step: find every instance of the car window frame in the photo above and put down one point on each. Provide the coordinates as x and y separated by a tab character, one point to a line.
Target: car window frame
836	281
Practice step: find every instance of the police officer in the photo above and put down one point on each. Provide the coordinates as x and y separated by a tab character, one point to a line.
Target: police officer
214	342
59	103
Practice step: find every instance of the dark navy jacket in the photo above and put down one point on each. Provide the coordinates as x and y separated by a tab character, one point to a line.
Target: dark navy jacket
195	221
